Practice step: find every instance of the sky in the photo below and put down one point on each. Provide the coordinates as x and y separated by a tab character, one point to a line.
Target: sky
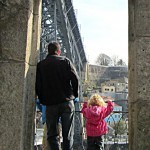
103	26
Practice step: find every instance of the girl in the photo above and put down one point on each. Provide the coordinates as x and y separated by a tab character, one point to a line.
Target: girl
95	111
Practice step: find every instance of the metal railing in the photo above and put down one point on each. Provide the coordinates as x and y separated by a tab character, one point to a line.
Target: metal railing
117	136
115	139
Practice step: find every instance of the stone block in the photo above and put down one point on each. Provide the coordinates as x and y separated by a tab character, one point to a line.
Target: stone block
17	105
143	122
142	46
14	35
11	104
27	135
142	15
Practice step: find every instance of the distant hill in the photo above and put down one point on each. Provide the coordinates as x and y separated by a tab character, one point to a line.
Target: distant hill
106	73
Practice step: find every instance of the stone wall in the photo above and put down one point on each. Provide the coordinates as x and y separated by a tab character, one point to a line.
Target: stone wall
139	74
20	23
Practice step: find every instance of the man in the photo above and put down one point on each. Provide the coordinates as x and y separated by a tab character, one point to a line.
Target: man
57	87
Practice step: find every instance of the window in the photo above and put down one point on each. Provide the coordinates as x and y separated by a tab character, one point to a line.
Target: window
106	89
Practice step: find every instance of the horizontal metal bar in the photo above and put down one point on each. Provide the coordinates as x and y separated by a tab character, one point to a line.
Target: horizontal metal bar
79	111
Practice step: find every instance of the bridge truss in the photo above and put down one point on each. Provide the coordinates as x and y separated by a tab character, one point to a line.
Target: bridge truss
59	24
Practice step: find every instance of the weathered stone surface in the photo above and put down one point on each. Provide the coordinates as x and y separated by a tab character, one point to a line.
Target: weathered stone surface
11	102
9	9
142	15
142	46
18	38
17	105
19	45
27	131
139	74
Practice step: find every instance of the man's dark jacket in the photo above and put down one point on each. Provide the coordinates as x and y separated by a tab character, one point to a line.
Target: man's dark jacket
56	80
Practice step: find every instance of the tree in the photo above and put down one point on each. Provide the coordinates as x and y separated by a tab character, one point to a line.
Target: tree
120	127
103	59
114	59
121	63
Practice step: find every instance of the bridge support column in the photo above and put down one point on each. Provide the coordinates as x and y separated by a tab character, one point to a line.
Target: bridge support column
139	74
19	44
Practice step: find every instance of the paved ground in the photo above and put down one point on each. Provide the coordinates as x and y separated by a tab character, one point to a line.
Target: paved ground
38	136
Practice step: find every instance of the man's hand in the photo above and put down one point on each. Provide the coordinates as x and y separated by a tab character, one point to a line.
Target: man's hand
76	100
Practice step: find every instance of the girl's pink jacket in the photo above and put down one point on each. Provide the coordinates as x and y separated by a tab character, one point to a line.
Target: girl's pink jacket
95	115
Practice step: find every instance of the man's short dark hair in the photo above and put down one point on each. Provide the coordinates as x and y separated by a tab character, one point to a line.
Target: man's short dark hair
53	47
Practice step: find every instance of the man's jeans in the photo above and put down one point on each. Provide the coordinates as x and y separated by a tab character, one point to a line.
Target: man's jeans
53	113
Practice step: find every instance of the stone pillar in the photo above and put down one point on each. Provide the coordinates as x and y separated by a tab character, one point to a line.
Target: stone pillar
139	74
20	24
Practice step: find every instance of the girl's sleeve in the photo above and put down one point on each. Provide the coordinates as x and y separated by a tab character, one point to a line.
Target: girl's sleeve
84	109
108	109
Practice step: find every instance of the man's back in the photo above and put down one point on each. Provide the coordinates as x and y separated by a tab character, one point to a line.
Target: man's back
56	80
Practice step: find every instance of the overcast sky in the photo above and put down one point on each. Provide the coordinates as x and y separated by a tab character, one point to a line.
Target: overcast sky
104	27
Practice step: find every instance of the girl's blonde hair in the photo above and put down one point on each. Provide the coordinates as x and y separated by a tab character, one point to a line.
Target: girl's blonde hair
97	100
